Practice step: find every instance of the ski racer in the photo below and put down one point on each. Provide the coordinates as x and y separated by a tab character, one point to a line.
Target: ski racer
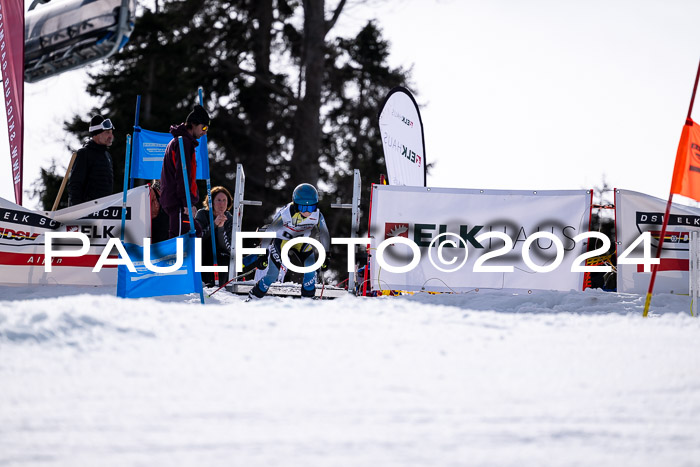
297	219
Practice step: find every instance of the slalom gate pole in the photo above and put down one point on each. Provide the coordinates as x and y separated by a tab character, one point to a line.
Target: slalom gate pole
655	267
136	128
590	224
192	232
138	110
212	227
127	167
369	247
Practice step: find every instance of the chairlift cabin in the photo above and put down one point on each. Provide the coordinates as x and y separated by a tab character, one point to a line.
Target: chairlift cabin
62	35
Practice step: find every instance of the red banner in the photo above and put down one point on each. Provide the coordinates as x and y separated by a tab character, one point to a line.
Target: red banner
12	64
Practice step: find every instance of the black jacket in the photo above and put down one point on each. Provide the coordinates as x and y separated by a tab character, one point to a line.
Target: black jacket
92	176
222	243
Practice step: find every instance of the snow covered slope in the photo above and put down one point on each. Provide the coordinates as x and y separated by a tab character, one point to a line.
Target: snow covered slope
485	378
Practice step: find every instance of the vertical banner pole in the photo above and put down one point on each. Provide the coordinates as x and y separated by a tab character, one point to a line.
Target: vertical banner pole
693	272
138	110
186	179
136	128
355	225
655	267
369	247
126	179
212	227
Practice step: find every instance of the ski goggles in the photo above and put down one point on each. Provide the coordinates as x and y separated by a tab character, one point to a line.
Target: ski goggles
305	208
105	125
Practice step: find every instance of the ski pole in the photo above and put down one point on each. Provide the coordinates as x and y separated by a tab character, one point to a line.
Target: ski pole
231	280
323	284
247	261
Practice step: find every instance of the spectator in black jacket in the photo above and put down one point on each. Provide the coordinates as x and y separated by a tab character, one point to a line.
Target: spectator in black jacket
223	202
92	176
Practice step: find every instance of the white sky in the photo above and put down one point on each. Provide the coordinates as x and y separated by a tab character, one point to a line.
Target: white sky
516	94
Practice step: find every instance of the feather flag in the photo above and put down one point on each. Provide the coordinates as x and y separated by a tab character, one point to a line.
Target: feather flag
685	182
12	41
686	172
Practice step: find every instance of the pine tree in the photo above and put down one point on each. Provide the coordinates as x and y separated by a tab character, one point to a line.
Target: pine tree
358	83
46	188
288	102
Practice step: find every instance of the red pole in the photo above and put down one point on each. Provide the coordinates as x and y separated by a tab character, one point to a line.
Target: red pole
655	267
588	246
695	88
369	234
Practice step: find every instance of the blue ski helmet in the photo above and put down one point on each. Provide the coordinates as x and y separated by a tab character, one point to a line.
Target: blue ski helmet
305	195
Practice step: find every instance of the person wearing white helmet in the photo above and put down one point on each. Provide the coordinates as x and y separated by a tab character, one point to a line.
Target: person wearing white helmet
300	218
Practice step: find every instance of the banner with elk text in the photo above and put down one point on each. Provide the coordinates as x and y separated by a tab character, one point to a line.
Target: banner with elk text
473	221
636	213
22	239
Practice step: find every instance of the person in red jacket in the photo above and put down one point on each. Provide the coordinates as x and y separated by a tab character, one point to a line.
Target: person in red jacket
173	198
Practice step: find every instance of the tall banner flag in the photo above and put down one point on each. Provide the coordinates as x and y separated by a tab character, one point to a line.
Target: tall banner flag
685	180
12	63
686	172
401	129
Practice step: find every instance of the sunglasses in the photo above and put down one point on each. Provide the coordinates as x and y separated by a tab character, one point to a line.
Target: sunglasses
304	208
105	125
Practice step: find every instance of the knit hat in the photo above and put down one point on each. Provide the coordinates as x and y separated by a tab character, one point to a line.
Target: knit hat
198	116
98	124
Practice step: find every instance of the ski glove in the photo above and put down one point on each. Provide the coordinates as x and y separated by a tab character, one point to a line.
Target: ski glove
326	263
261	262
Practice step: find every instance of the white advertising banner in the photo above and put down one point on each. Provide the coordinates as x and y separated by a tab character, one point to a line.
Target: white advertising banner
401	128
22	239
636	213
504	239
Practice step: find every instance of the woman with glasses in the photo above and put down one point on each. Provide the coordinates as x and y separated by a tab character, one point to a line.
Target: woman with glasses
300	218
92	176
